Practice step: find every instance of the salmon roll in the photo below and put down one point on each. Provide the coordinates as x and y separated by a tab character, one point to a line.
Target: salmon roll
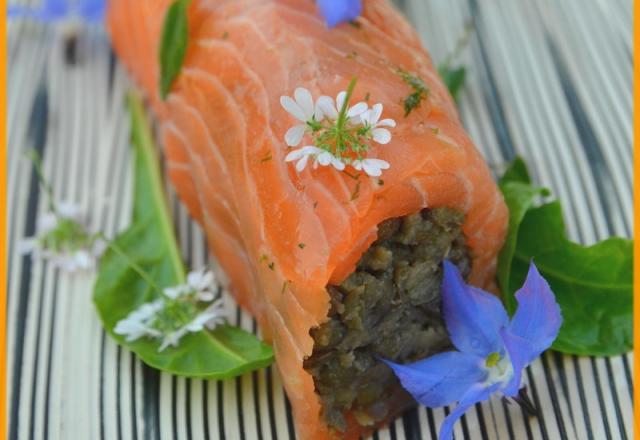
338	257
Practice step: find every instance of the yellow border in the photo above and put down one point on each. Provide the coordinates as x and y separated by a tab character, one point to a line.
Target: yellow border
3	220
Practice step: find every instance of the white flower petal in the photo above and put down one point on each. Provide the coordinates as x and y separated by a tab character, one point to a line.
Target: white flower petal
68	210
294	135
292	108
305	101
381	135
302	163
47	223
340	100
327	106
206	296
357	164
371	169
357	109
294	155
376	112
338	164
325	158
386	123
83	260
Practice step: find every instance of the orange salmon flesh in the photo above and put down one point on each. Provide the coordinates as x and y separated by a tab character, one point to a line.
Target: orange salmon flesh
223	127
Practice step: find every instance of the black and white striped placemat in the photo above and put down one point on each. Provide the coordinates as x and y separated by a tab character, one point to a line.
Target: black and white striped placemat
550	80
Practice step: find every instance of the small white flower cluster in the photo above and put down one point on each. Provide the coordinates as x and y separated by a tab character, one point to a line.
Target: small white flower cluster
184	309
340	132
62	238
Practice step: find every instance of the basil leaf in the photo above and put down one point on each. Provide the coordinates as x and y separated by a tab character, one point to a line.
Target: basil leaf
593	285
519	196
173	45
150	242
454	79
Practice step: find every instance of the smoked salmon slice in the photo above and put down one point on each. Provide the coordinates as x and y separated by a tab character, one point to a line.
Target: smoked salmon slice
290	241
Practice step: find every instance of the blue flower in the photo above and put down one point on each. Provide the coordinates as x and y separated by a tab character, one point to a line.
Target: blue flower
492	350
56	10
340	11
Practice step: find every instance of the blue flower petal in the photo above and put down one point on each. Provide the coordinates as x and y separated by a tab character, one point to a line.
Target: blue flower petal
49	11
340	11
476	394
473	316
440	379
537	319
519	351
92	10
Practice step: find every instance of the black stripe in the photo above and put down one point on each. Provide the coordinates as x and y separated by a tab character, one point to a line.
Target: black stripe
256	395
583	398
507	415
205	406
219	385
628	375
188	385
174	406
536	401
481	422
54	307
603	413
37	133
411	425
151	402
238	381
432	423
592	148
392	431
290	427
558	361
616	401
490	89
554	399
272	418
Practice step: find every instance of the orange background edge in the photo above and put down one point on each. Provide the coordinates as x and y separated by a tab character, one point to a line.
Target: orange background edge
3	216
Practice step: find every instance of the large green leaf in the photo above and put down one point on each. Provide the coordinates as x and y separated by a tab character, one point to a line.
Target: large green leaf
151	244
173	45
593	285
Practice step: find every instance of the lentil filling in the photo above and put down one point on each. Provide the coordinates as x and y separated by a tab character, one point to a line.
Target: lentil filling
389	307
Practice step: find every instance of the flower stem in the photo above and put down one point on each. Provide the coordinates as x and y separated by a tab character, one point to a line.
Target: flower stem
342	116
36	160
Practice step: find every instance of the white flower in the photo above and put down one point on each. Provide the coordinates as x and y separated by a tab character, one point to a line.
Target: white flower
138	323
318	155
331	108
371	119
201	281
304	110
373	167
62	238
210	318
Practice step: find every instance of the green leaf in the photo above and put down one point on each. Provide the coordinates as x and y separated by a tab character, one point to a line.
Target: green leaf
519	196
173	45
150	242
454	78
593	285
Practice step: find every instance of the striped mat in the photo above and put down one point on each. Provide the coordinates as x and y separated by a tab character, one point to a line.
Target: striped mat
550	80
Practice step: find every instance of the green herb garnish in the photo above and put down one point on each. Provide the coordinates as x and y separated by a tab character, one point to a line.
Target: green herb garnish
173	45
592	284
420	91
149	244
